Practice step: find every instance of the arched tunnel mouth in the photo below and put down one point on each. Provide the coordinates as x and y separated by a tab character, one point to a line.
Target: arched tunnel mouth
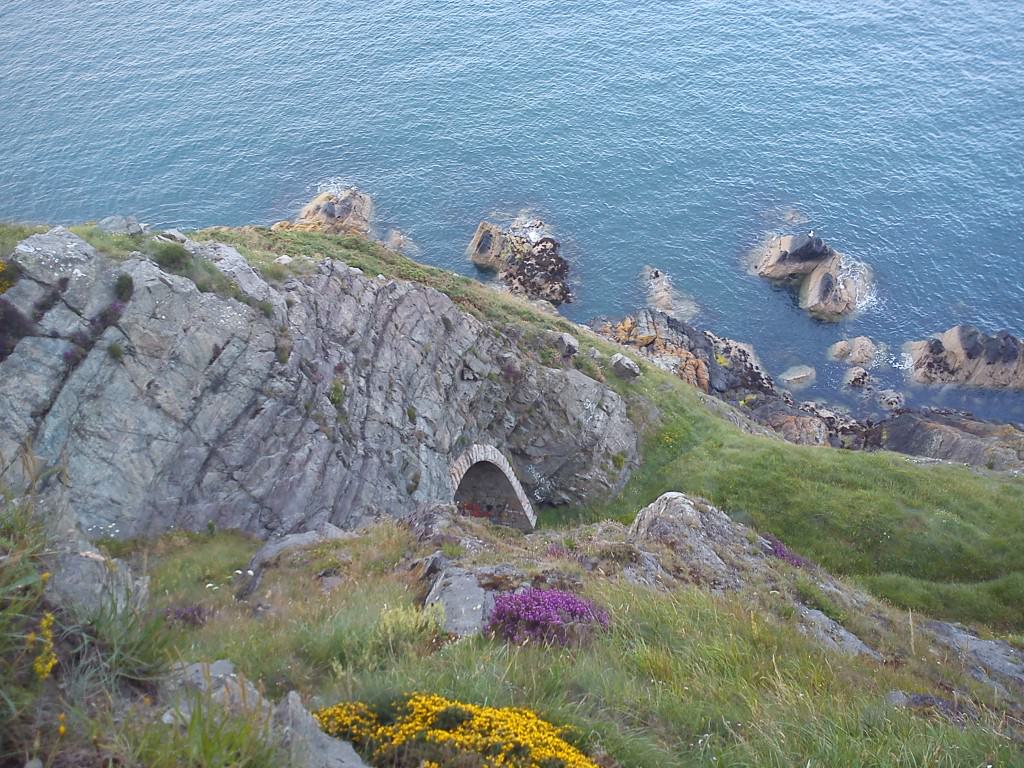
486	492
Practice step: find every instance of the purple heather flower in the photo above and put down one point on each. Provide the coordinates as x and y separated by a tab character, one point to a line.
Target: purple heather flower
544	615
777	549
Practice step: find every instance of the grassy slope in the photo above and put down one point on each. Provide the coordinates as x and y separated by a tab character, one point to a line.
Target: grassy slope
698	678
939	538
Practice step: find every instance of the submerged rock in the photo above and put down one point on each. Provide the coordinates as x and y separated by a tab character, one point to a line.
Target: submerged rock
662	296
860	350
798	377
967	356
525	256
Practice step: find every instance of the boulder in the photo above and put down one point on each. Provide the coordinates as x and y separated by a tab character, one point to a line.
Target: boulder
784	257
831	285
624	367
836	288
466	603
305	743
216	683
526	257
566	344
891	400
120	225
337	213
85	583
967	356
798	377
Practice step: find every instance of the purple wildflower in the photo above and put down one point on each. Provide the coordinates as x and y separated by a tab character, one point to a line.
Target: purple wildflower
544	615
777	549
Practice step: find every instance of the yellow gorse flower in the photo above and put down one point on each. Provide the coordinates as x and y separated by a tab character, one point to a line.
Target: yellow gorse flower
46	659
503	737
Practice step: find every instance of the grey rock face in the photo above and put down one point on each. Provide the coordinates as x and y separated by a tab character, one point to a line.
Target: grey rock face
992	662
954	436
832	634
352	401
307	746
466	604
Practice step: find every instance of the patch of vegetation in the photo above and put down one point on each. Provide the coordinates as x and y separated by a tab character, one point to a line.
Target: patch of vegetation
813	596
336	394
12	234
124	287
117	247
115	352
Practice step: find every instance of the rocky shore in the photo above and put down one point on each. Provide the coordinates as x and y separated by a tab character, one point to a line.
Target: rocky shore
526	257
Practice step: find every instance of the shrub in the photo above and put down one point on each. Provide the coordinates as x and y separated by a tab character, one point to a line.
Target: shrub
170	256
430	730
336	394
124	287
544	615
116	352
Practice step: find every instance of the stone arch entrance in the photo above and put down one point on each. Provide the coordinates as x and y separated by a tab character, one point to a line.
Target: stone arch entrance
484	485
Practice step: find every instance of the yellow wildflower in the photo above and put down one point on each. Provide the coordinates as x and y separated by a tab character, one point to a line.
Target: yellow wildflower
61	729
46	659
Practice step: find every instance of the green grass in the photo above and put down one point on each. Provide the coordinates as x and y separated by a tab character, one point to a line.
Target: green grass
12	234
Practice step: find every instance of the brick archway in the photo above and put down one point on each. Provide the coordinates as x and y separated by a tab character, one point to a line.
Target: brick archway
484	482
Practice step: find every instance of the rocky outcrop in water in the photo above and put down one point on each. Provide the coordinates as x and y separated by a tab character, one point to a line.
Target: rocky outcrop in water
859	350
336	397
955	436
831	285
662	295
967	356
336	213
525	256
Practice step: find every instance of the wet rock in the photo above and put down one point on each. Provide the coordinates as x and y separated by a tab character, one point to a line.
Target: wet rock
967	356
784	257
836	288
662	296
624	367
337	213
955	436
831	285
856	378
798	377
860	350
397	241
526	257
891	400
120	225
488	248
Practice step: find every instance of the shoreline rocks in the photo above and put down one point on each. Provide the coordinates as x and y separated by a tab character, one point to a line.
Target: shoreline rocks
526	257
336	213
966	356
831	286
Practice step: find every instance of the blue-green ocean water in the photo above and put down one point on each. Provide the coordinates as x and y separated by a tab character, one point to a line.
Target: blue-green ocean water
646	132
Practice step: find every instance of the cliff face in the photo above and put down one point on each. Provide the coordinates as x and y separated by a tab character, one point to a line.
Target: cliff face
337	397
